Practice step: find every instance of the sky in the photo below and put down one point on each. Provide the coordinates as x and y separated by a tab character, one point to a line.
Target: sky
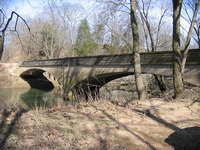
32	7
29	8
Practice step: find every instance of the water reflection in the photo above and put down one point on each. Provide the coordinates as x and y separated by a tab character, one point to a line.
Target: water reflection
29	98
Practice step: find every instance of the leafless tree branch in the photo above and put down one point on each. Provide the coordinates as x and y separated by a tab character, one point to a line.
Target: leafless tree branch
2	17
18	16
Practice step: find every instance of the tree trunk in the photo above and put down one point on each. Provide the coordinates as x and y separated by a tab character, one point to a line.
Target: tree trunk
160	79
1	45
177	75
138	77
187	43
137	66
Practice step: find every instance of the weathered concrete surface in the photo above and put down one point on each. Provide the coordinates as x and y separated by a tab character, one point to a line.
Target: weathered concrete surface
191	74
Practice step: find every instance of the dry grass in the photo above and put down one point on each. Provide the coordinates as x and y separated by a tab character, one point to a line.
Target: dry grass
100	125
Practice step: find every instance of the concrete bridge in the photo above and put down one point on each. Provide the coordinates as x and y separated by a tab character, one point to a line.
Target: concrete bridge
88	74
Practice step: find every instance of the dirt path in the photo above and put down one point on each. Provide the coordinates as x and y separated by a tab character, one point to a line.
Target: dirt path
101	125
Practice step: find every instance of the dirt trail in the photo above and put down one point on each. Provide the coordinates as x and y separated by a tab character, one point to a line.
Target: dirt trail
101	125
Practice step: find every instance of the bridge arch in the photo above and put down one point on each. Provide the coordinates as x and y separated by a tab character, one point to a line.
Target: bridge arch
91	86
38	78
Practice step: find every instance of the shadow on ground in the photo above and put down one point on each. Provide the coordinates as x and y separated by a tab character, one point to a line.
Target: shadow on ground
185	139
6	128
181	139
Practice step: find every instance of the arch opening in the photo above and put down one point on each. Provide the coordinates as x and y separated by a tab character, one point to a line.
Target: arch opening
38	79
90	87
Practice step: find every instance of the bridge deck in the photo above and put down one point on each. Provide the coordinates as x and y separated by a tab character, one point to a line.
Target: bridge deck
72	70
147	58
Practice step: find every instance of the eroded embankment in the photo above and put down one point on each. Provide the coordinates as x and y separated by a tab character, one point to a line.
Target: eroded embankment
9	77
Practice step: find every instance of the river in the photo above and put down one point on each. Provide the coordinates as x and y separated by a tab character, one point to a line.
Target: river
29	98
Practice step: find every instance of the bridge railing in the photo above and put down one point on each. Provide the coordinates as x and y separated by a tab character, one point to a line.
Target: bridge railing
147	58
166	57
124	59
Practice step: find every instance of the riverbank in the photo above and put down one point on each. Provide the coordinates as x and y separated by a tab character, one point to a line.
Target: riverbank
100	125
9	77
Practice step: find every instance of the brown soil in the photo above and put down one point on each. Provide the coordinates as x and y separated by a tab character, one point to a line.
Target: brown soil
101	125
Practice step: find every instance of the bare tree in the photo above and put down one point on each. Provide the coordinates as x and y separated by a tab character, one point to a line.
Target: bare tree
113	8
152	31
64	17
4	25
189	35
137	66
178	63
177	75
153	26
68	15
58	21
189	7
116	20
99	28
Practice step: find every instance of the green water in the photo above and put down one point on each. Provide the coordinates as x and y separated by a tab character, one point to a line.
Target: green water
29	97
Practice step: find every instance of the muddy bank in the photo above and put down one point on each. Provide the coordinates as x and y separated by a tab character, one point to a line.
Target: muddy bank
9	77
